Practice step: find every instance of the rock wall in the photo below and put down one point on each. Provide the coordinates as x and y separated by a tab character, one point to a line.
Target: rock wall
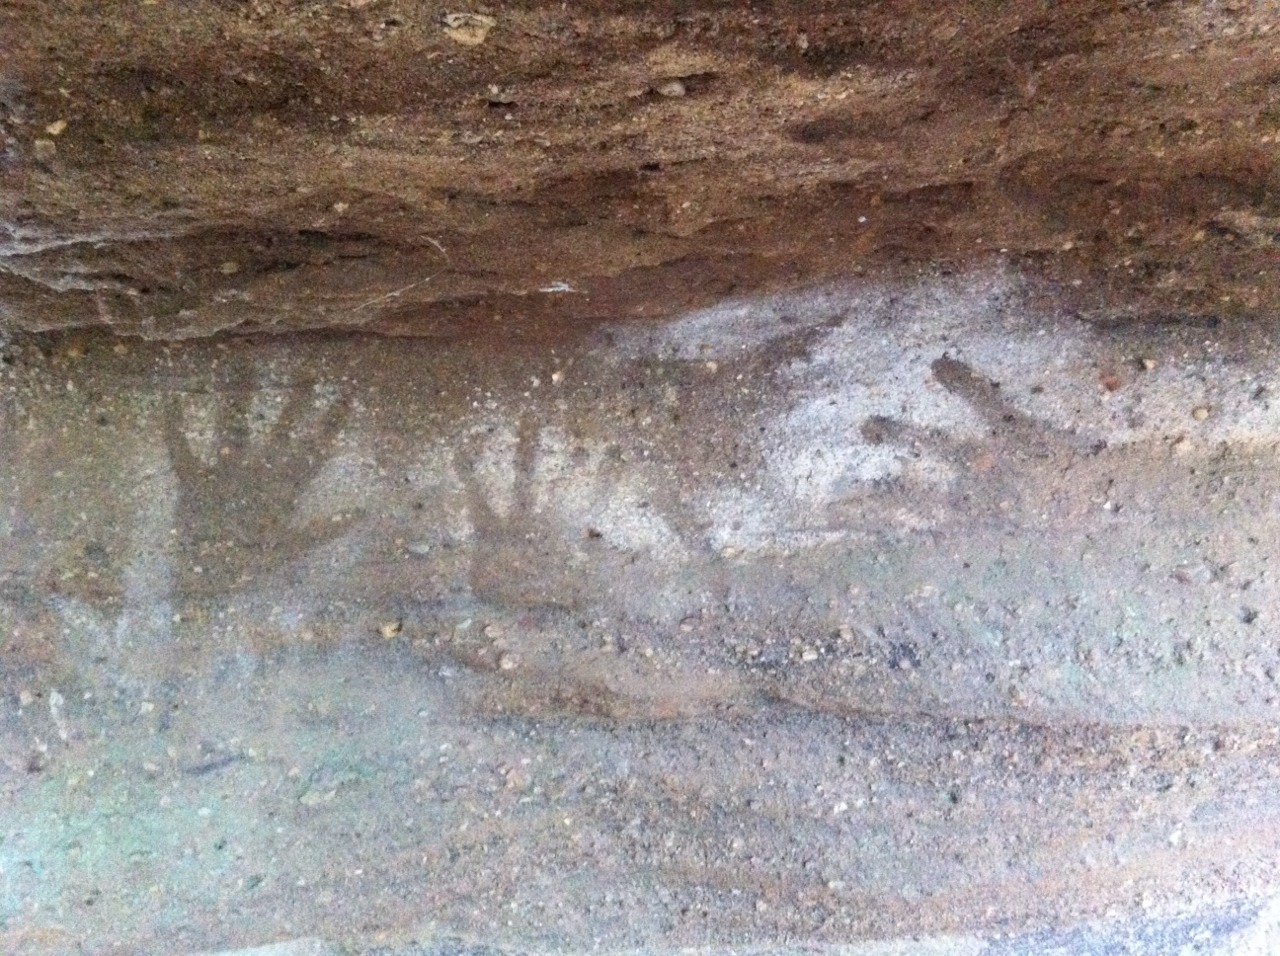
638	477
860	611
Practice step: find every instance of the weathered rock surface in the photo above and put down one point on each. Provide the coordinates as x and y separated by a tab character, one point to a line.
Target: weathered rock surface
867	612
273	165
638	477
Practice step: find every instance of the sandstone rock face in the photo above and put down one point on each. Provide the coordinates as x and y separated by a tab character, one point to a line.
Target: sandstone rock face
178	171
853	614
638	477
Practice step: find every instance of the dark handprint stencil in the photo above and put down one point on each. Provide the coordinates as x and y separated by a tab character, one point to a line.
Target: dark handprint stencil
559	520
237	508
517	559
1011	440
1025	436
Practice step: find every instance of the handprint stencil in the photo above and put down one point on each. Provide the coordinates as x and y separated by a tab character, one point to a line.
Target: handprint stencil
557	523
223	499
238	502
1008	436
515	559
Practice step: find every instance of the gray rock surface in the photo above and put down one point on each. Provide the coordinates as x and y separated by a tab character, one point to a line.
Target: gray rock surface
905	613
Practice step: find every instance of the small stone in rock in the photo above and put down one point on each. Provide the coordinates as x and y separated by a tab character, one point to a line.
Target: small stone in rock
468	29
500	96
390	629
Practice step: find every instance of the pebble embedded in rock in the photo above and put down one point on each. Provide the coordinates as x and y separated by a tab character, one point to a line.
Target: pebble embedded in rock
499	96
671	88
468	29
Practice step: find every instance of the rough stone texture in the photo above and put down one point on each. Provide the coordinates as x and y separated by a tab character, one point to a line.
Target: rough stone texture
267	165
1240	931
639	477
863	613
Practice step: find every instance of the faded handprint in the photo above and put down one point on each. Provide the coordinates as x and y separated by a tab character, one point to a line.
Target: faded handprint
214	509
1010	434
560	521
1027	436
515	562
237	502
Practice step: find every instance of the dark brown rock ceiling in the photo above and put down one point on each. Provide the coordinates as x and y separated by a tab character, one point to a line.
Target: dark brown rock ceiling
174	169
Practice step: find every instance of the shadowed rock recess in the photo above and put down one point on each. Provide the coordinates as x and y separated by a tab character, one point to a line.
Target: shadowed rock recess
627	477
